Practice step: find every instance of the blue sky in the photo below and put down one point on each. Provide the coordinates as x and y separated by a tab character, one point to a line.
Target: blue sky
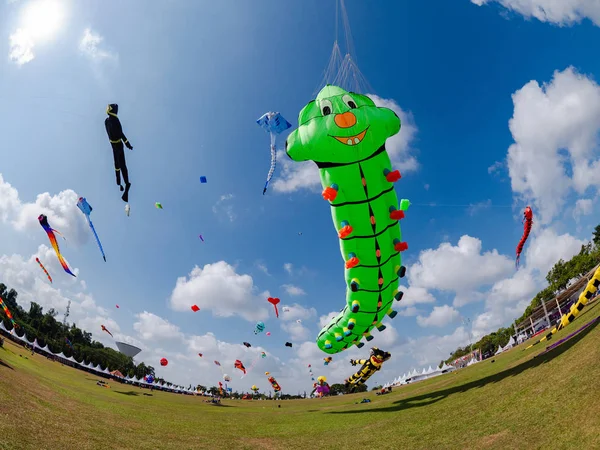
191	78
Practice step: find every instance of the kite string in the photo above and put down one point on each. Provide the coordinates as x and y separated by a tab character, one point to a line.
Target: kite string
433	204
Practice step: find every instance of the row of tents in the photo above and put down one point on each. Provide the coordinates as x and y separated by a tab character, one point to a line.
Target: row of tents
93	368
415	376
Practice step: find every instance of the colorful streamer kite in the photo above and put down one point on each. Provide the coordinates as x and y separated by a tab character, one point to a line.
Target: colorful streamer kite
69	344
8	314
273	382
274	124
37	260
86	209
344	134
105	329
50	232
527	223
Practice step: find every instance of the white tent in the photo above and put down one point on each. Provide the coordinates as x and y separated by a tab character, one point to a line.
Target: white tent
500	350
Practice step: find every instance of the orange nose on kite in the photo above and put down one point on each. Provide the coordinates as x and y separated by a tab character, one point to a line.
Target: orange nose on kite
345	120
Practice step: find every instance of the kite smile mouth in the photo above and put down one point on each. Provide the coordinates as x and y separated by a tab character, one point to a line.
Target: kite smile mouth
352	140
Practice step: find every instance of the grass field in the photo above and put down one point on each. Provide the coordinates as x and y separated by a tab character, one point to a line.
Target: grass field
550	401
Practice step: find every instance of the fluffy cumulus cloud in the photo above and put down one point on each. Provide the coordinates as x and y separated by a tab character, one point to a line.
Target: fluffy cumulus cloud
218	288
61	209
290	289
439	317
293	320
559	12
415	295
509	296
296	331
461	269
555	151
305	175
25	276
326	318
583	207
547	247
90	45
152	327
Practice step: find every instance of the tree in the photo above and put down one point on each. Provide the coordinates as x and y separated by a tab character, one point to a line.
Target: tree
596	236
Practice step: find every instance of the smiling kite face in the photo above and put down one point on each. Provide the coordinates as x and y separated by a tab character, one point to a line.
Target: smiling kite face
340	127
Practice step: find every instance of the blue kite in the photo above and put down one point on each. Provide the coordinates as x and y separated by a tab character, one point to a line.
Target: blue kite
86	209
274	124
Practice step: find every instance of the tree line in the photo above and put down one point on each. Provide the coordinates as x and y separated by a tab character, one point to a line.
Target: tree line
558	279
44	327
35	324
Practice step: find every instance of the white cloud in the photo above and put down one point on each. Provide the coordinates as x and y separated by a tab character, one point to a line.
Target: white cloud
290	289
151	327
296	311
559	12
439	317
25	276
555	128
325	319
294	176
497	166
218	288
415	295
21	47
305	175
583	207
546	248
224	206
295	330
90	46
399	146
61	209
461	269
411	311
263	268
294	271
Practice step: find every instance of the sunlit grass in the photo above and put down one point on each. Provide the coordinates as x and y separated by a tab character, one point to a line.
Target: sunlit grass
518	401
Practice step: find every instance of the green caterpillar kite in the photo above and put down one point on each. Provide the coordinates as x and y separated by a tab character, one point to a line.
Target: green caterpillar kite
344	134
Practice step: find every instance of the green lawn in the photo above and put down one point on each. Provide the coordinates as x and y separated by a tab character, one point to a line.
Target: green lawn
550	401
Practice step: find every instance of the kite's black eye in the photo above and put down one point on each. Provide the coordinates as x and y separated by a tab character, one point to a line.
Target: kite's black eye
349	101
326	107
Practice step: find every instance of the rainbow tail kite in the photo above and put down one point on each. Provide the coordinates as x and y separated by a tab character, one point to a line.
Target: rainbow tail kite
8	314
48	229
86	209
